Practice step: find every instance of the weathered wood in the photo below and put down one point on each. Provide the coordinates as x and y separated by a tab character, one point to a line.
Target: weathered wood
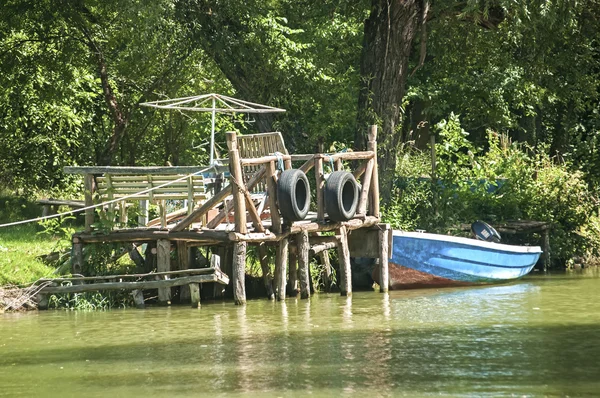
183	263
302	157
331	226
364	242
338	165
326	273
309	164
384	276
206	236
143	216
152	275
360	170
88	193
365	189
239	273
272	191
74	204
133	170
194	289
77	259
138	298
256	237
281	259
254	216
164	284
546	254
293	271
163	264
372	147
266	270
202	210
320	189
345	267
304	264
264	160
346	156
136	257
316	249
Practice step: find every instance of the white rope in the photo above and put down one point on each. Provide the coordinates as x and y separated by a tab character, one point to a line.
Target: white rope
104	203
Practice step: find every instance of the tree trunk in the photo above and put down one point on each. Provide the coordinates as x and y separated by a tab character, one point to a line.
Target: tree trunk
389	34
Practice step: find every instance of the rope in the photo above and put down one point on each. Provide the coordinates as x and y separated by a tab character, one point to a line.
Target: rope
279	157
330	162
103	203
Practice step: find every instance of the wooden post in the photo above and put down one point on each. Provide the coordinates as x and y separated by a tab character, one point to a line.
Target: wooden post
183	262
326	274
304	264
194	289
89	188
372	146
320	181
272	190
384	276
281	258
138	298
237	182
546	254
143	216
293	272
366	187
263	258
345	268
239	272
163	264
77	259
433	175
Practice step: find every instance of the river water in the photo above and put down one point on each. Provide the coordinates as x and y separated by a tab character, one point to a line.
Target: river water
537	337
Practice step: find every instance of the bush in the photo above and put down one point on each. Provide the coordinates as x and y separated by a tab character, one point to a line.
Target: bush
507	181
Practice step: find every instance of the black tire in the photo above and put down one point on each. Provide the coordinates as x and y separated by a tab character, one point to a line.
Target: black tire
341	196
293	195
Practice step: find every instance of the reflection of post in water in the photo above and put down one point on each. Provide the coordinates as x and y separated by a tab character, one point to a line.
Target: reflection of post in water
347	312
348	349
378	349
245	356
386	308
218	365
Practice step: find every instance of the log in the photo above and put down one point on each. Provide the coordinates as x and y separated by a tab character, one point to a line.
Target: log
163	264
164	284
365	189
239	273
89	188
384	276
237	183
281	258
136	257
266	270
304	264
293	272
309	164
347	156
194	289
202	210
77	259
138	298
183	263
345	268
272	191
160	275
316	249
372	146
264	160
326	273
133	170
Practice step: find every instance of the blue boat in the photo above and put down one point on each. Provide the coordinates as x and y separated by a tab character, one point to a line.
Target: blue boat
432	260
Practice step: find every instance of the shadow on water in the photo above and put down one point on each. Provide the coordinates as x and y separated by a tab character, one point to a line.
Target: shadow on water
494	341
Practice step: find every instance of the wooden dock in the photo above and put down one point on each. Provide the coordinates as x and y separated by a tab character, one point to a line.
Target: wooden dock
231	218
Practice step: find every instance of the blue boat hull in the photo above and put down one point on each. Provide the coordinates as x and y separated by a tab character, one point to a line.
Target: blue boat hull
421	259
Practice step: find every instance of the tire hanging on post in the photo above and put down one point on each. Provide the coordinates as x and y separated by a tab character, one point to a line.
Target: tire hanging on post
293	195
341	196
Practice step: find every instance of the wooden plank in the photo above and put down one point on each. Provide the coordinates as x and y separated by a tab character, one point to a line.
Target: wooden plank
372	146
304	264
320	189
133	170
153	275
281	259
239	273
160	284
347	156
345	266
264	160
163	264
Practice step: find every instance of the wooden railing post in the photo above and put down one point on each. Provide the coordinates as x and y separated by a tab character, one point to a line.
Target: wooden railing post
89	188
372	146
320	180
237	183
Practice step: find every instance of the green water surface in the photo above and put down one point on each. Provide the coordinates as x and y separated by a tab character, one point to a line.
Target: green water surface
536	337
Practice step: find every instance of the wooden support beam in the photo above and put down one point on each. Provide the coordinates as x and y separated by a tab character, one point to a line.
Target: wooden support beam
239	272
308	164
202	210
304	264
281	258
293	271
88	193
263	258
194	289
237	183
272	190
163	264
365	189
183	263
326	273
320	189
345	267
384	255
138	298
316	249
77	259
372	146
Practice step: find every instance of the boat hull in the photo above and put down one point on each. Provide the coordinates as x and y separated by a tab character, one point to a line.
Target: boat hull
431	260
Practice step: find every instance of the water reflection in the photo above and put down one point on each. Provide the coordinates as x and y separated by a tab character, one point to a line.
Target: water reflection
528	338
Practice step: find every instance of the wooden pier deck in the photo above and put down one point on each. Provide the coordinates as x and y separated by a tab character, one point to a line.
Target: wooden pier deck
233	217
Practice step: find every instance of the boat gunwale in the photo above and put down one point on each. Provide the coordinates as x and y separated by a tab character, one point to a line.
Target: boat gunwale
469	242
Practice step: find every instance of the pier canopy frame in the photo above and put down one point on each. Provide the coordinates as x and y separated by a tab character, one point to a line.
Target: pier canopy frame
214	103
